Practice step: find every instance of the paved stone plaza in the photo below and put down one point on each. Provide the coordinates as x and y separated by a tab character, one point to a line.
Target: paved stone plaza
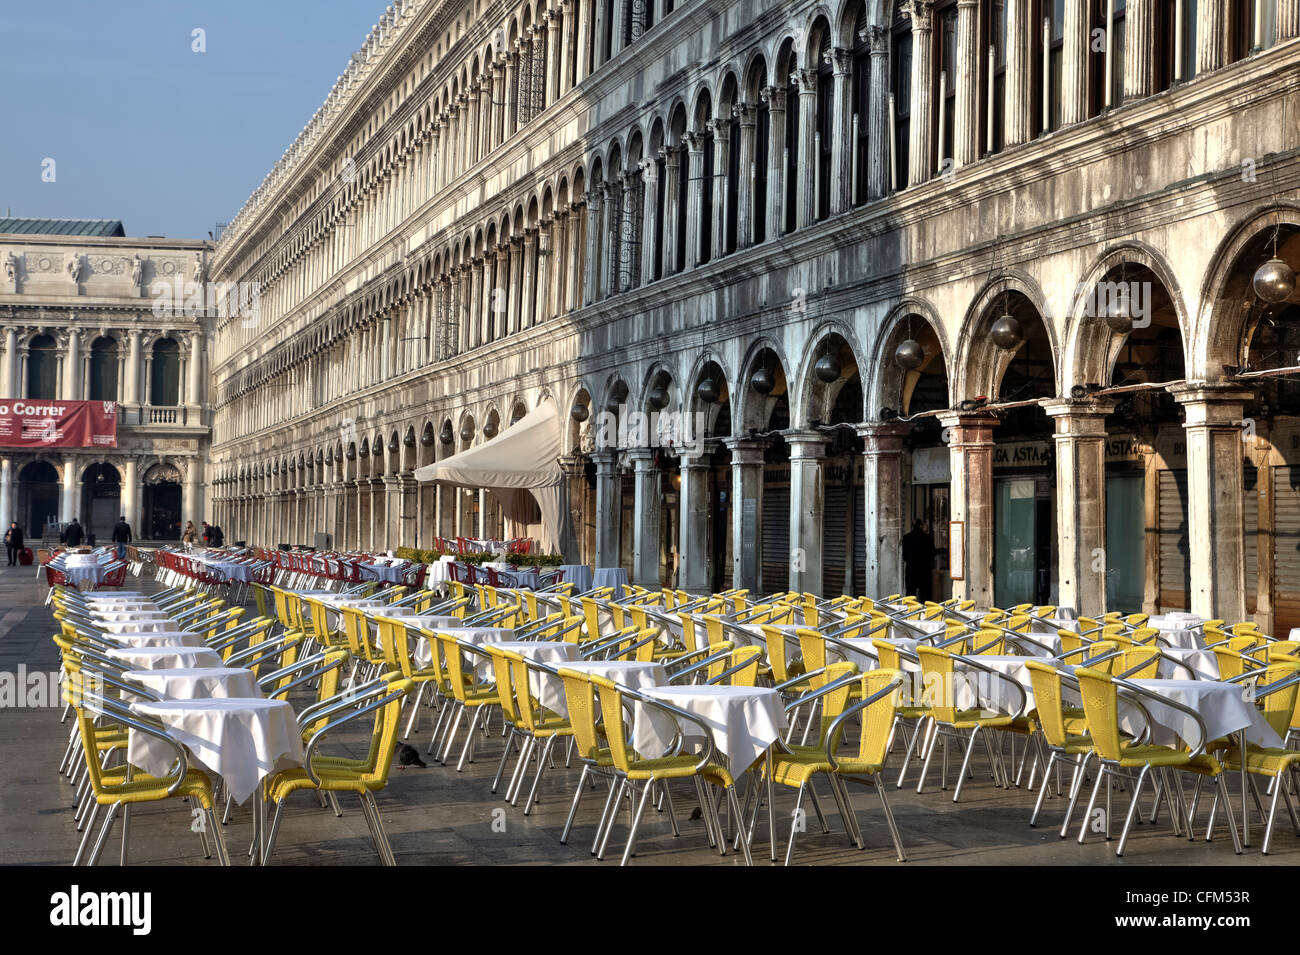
436	816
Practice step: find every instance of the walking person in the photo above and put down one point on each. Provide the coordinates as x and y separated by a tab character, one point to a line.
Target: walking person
14	542
121	536
75	534
918	560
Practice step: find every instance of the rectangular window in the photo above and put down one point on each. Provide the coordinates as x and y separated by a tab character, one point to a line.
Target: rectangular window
902	63
945	83
994	69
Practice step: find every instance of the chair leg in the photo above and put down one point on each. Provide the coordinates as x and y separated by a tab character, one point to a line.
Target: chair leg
1092	802
636	820
469	739
103	834
623	785
1132	809
889	818
89	827
965	763
1272	816
126	828
846	810
537	780
911	744
218	839
794	824
817	807
273	833
610	804
1042	790
735	808
501	767
573	808
414	721
930	743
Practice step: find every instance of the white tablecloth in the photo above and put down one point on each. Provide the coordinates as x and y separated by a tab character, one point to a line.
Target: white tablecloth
83	574
1221	705
422	651
138	626
545	688
1203	662
229	569
972	686
526	579
615	577
744	721
413	618
240	740
164	638
129	616
579	575
391	573
198	683
166	658
629	673
439	571
910	629
1050	625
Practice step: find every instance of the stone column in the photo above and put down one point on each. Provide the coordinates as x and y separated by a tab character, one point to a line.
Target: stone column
1215	494
748	116
514	284
7	504
747	514
552	56
1074	63
68	497
616	36
672	208
970	446
543	256
882	487
591	265
396	517
192	500
473	306
694	510
132	390
559	264
965	120
1019	111
131	497
609	508
807	449
1081	502
806	189
1139	48
528	296
583	43
12	365
694	198
647	514
194	386
577	263
1211	36
842	145
879	170
774	97
72	372
609	242
722	173
1288	19
649	212
918	157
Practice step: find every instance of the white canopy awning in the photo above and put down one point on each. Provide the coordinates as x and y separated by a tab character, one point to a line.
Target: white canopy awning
521	465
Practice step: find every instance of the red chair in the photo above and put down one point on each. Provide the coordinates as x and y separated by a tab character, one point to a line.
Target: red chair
551	579
55	577
115	577
494	579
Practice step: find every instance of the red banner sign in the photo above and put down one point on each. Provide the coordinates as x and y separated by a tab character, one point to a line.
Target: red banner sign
41	423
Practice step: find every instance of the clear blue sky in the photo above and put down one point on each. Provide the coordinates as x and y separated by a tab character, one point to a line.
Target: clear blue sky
145	130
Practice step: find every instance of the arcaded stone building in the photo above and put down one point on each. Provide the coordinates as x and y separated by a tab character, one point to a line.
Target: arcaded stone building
989	263
88	313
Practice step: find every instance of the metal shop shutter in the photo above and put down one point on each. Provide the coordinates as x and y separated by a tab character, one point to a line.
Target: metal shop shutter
836	518
776	537
1175	557
1286	564
859	541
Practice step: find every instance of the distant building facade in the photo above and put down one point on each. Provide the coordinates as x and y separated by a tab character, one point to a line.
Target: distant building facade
81	318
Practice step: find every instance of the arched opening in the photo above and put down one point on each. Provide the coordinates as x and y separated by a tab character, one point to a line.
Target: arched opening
162	503
165	374
103	369
101	501
38	499
42	368
835	401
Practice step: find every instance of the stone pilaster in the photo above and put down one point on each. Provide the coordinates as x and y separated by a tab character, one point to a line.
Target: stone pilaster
1081	503
970	447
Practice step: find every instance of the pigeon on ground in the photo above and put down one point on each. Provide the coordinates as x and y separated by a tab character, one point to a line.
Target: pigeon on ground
408	755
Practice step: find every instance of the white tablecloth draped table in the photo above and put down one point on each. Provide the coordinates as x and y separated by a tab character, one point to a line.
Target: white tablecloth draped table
911	629
579	575
548	690
229	569
422	649
166	658
80	568
138	626
413	618
164	638
629	673
439	571
130	616
240	740
1178	630
198	683
972	686
615	577
744	721
389	573
1222	706
1203	662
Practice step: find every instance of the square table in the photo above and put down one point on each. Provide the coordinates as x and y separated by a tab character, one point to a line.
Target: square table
744	721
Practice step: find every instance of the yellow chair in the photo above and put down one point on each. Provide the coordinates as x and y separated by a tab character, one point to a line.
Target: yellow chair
1062	733
948	719
530	720
580	700
1118	758
653	773
365	776
121	787
467	692
1277	689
